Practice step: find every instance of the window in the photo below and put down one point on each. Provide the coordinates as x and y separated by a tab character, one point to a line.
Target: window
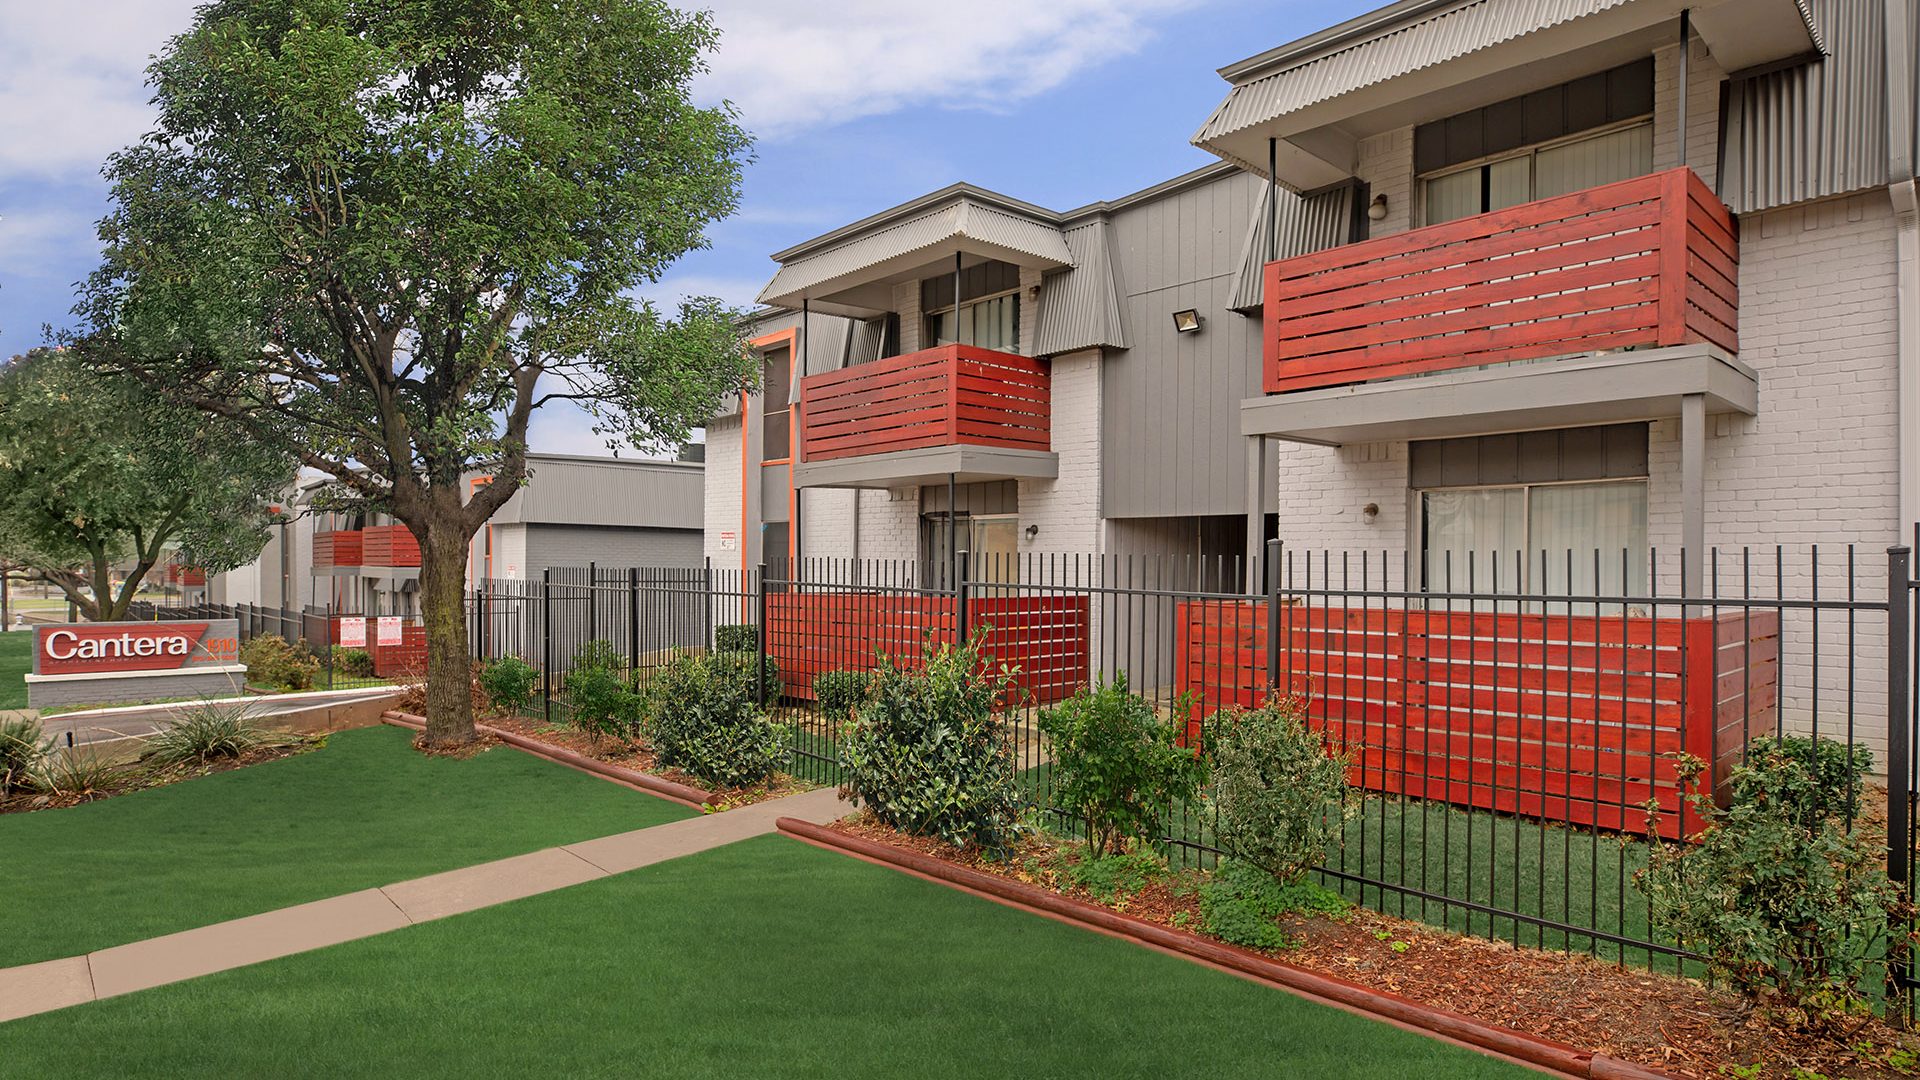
1568	539
990	323
1539	173
776	383
991	542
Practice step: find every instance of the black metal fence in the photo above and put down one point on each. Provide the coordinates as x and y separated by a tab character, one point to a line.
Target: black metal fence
1506	720
313	626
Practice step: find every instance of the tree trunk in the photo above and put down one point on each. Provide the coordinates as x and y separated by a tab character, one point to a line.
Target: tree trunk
443	576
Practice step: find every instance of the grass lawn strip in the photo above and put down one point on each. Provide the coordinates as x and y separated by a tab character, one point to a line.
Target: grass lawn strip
364	811
16	660
1662	1021
766	958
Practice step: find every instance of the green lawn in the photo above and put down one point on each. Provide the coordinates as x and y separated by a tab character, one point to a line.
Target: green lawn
16	660
766	958
366	810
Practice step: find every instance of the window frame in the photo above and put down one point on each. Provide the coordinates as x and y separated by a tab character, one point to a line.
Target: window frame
932	337
1530	152
1418	522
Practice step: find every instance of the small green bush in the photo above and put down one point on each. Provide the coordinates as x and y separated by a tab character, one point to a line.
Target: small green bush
1786	899
598	653
600	703
1112	877
745	668
736	637
352	663
508	682
1116	765
1241	904
927	752
275	663
1279	797
705	719
22	748
208	732
837	692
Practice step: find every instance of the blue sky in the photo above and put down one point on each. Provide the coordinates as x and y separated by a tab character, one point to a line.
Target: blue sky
858	105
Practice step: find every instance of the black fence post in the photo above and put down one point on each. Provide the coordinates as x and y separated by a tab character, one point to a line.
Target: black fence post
593	601
706	636
546	642
1899	764
1272	569
480	618
760	627
961	628
633	626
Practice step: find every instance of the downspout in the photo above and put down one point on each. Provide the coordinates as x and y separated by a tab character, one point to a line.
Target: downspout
1906	225
1680	99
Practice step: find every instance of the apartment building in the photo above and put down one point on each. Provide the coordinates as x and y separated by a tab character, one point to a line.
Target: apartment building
573	511
1471	276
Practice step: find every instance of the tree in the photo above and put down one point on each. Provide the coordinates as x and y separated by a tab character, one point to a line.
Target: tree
95	471
383	233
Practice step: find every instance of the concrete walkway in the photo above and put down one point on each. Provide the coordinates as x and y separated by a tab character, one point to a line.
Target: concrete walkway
56	984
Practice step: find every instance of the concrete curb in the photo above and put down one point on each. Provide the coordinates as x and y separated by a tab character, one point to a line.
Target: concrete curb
652	785
1529	1049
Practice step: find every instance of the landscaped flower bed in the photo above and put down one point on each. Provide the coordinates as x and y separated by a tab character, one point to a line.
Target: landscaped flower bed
1674	1024
125	778
639	757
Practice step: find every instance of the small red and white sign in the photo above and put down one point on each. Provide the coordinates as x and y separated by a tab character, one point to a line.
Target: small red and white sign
389	630
353	633
86	648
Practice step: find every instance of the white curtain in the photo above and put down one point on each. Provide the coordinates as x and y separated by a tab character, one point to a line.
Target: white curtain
1617	155
1474	536
1589	523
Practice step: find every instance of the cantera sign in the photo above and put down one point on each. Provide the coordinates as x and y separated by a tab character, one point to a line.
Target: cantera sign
116	647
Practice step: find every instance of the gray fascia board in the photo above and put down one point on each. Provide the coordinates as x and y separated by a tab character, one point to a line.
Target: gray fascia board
928	465
1570	392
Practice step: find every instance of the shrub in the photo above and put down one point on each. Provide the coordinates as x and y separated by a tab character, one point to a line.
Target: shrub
352	663
509	683
598	653
1782	896
1242	904
1114	876
274	662
705	719
207	732
22	749
736	637
1279	798
1116	765
81	773
927	754
600	703
744	667
837	692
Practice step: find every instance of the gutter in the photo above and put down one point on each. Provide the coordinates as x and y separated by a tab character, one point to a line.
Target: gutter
1906	229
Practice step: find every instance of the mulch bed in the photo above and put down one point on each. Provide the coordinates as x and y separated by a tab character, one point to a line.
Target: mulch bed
641	758
133	776
1672	1023
479	744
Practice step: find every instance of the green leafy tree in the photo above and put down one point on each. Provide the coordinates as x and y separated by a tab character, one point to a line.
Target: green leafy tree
98	476
384	233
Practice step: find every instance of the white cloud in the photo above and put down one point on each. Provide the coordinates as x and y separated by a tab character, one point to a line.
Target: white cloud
42	243
72	79
796	66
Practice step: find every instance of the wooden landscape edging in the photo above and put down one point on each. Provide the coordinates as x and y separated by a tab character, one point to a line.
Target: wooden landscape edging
652	785
1520	1046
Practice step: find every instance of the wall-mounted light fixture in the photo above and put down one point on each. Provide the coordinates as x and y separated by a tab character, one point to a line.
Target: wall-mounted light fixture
1371	511
1377	209
1186	322
1033	531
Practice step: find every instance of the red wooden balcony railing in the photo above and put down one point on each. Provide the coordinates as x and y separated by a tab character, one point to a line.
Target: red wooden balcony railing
390	545
950	396
337	547
1648	261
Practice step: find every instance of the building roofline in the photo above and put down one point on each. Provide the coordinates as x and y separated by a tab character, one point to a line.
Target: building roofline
1333	37
595	459
951	193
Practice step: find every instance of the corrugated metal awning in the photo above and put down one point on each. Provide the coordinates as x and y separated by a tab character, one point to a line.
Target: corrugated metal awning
1082	306
1304	225
959	223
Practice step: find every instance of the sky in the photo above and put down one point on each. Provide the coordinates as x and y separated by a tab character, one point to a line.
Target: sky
856	106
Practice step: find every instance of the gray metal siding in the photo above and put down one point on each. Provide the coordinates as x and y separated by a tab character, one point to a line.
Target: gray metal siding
1815	130
988	497
587	491
1613	451
1080	308
1170	414
572	545
1305	225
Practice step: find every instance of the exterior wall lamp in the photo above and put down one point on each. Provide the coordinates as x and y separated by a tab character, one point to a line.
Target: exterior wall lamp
1033	531
1377	209
1186	321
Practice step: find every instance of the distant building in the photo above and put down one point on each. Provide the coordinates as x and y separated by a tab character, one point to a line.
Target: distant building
574	511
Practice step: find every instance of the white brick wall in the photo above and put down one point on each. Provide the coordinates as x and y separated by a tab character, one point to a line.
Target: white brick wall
1324	493
1703	109
1386	164
906	302
1067	509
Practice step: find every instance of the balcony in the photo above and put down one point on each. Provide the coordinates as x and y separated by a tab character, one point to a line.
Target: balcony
338	549
956	410
1631	289
389	546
